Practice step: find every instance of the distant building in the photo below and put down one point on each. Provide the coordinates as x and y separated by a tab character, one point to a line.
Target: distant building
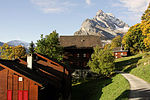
38	78
119	53
78	50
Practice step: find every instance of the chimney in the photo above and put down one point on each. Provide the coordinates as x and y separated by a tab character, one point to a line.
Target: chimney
121	47
29	61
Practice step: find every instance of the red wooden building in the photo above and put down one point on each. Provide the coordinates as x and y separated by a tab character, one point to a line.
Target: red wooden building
45	79
118	52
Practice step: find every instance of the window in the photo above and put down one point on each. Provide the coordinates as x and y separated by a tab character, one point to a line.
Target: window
116	53
78	55
121	53
20	79
84	55
116	57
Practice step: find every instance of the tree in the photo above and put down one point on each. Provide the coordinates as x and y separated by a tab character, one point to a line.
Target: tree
146	27
146	15
18	52
5	51
116	42
107	46
31	48
133	40
12	52
102	62
50	46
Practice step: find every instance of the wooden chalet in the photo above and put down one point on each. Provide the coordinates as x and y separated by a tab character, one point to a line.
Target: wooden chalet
45	79
78	50
119	52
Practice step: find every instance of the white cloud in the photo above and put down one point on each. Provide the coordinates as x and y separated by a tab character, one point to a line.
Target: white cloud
52	6
133	9
88	2
135	5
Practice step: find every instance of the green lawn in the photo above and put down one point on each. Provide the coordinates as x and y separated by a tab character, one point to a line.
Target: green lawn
142	72
143	68
90	90
109	89
117	90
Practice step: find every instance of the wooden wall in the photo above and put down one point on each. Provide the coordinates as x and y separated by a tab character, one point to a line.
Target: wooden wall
13	89
120	54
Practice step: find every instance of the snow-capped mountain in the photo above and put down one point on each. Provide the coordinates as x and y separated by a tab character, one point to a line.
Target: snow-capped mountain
18	42
103	24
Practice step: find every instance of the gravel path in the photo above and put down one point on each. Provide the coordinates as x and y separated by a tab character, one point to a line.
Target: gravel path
139	89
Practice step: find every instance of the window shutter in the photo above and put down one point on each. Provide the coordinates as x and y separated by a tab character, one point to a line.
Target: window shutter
25	95
9	94
20	95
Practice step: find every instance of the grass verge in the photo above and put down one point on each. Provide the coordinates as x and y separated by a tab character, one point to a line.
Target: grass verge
90	90
142	72
117	90
107	89
126	64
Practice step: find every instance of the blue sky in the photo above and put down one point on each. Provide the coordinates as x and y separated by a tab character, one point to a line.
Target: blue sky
26	19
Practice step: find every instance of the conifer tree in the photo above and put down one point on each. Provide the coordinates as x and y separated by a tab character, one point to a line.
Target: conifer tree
50	46
102	62
31	48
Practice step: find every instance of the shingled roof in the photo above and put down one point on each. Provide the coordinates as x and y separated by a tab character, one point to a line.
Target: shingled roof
80	41
21	69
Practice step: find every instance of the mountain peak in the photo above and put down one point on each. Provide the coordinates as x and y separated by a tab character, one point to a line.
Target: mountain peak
99	13
18	42
103	24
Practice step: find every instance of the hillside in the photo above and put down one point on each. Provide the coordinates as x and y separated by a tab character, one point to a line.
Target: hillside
18	42
138	65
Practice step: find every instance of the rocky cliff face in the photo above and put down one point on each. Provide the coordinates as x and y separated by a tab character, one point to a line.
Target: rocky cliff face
103	24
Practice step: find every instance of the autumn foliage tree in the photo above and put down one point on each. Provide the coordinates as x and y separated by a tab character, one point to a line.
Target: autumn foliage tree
102	62
145	23
116	42
133	40
12	52
50	46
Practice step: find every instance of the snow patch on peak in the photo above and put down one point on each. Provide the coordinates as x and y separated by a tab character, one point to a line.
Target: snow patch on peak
110	14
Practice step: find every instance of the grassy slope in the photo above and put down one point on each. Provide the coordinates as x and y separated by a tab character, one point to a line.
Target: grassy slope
126	64
115	88
142	72
129	64
143	69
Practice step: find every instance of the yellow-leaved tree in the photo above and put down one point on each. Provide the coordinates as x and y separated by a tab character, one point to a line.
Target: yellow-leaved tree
145	27
133	40
12	52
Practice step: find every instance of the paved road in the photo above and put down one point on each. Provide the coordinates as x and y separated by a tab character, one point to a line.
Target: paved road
139	89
